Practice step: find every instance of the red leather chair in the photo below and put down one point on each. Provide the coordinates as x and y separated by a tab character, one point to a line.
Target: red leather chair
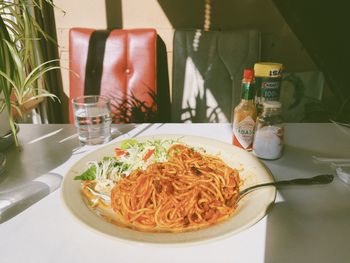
119	64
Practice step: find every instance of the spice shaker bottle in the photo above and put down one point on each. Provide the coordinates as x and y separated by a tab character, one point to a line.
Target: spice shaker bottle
268	138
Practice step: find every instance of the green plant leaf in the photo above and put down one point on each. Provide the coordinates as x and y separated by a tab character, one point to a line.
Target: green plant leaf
43	33
16	58
43	94
20	53
8	78
39	71
11	24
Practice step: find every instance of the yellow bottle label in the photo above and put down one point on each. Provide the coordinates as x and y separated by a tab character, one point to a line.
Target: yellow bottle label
272	70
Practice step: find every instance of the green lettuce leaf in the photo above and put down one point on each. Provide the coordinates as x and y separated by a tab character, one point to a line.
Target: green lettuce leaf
89	174
126	144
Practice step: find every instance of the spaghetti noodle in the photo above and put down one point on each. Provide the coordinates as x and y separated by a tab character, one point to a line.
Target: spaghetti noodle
189	191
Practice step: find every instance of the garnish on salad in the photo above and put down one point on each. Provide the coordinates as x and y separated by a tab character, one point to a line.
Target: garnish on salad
129	156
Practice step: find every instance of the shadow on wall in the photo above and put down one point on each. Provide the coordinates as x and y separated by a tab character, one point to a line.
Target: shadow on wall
325	42
283	24
278	42
225	14
114	14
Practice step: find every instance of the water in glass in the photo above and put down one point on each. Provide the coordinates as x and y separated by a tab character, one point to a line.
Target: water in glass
93	121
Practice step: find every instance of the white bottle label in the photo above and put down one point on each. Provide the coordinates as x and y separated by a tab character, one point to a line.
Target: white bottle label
268	142
244	131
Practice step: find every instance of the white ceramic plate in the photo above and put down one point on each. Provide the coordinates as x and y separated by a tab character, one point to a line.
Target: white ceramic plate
250	209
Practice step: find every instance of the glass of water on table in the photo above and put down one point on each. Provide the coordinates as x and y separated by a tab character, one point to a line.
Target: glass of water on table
92	118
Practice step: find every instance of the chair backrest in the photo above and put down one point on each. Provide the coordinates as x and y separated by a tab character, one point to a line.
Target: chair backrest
120	64
207	72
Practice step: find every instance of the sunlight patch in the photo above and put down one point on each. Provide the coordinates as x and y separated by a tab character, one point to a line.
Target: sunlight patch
198	102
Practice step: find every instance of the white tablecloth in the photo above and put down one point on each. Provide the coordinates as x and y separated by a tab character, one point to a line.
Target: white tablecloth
306	224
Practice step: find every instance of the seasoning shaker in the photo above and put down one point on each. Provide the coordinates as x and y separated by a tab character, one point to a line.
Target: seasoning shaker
269	132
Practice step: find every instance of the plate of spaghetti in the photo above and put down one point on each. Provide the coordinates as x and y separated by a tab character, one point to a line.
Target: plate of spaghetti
167	189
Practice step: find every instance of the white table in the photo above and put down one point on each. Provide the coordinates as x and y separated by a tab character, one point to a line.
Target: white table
306	224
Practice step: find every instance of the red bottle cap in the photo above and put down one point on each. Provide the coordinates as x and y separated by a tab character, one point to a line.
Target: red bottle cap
248	74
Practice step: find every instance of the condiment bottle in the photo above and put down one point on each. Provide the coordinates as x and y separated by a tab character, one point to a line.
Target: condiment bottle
268	77
244	114
268	138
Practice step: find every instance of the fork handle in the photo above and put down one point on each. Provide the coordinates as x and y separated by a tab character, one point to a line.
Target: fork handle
319	179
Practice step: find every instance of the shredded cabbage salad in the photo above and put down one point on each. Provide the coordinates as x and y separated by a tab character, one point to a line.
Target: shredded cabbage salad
130	156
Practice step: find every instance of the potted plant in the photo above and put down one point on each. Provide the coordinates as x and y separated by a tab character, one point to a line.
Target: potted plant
21	68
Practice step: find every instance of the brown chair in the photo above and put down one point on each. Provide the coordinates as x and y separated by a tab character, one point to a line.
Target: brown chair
122	65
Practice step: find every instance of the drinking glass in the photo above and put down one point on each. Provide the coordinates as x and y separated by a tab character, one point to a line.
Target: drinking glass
92	118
